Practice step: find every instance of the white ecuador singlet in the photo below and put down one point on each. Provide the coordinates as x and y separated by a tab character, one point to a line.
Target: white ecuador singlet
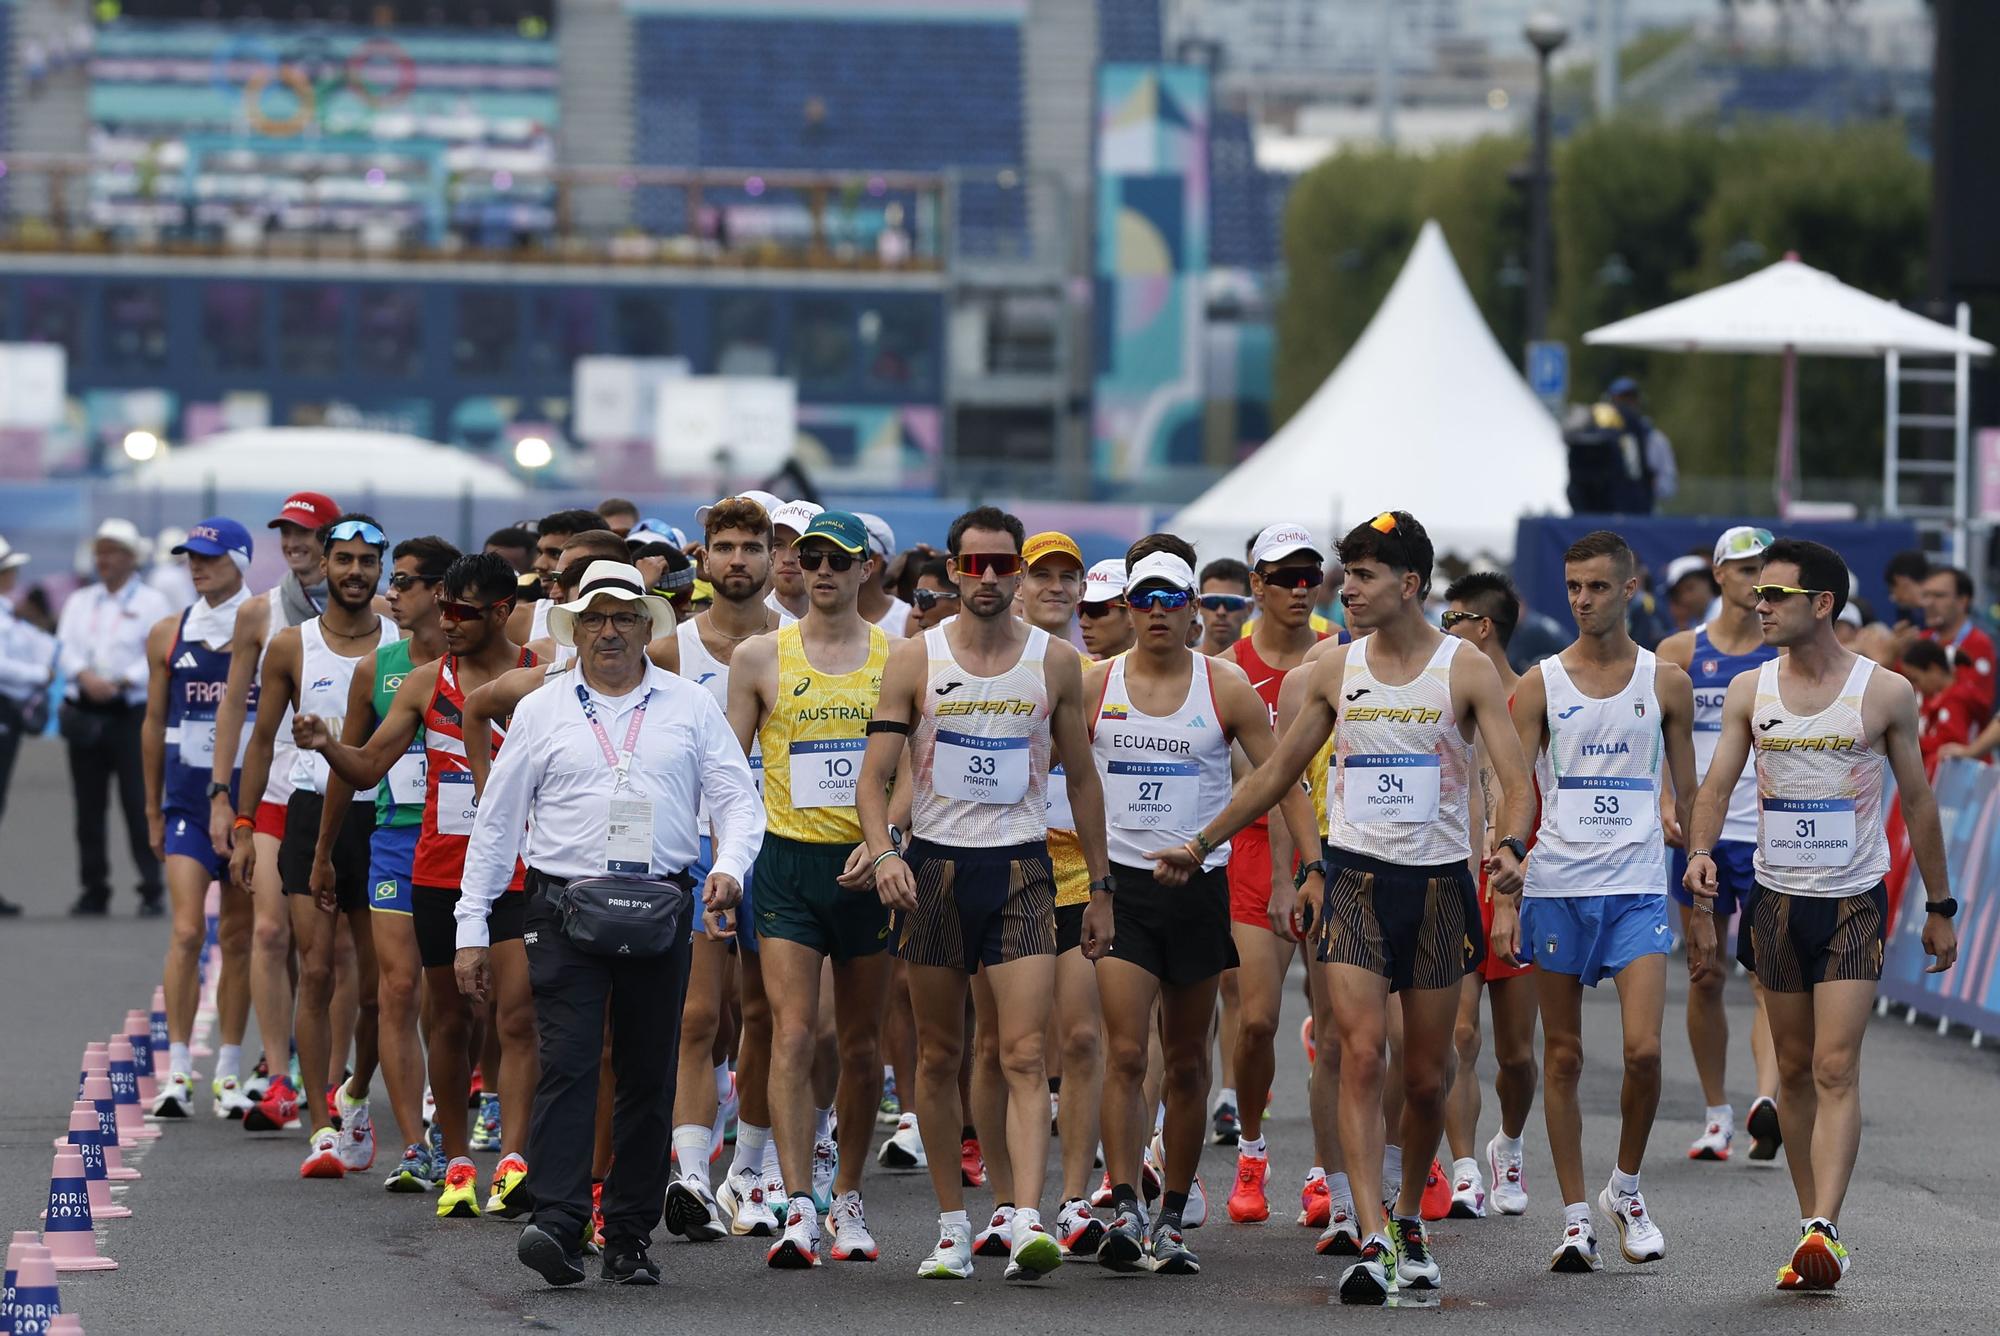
1165	776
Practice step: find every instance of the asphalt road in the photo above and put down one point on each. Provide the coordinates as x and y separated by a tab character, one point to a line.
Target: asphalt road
226	1238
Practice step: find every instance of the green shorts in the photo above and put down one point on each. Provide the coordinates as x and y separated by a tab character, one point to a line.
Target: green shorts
800	900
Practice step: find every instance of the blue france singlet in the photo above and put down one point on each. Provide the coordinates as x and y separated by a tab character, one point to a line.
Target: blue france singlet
196	678
1712	671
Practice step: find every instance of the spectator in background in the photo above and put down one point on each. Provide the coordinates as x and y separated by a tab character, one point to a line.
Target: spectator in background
878	603
1942	718
1947	604
1225	603
618	514
1619	462
1905	577
1690	590
27	661
516	544
102	653
935	597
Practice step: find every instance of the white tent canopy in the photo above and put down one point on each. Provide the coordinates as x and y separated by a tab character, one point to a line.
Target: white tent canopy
1426	413
329	459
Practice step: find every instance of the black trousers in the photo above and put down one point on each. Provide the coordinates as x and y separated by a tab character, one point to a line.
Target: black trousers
573	992
114	754
11	731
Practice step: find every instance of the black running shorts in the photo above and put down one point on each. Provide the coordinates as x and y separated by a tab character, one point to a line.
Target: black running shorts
1791	942
977	906
1178	934
351	851
1417	927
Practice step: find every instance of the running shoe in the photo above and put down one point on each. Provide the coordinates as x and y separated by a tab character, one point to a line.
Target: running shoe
475	1088
1372	1278
430	1108
413	1173
1167	1251
460	1199
1035	1252
176	1097
1195	1214
259	1084
1416	1269
1765	1134
692	1211
1124	1245
741	1201
1436	1203
1306	1039
774	1179
506	1196
1510	1193
826	1165
1102	1197
905	1147
971	1164
323	1159
1151	1185
952	1258
231	1098
1078	1230
1315	1202
629	1264
1055	1112
1342	1236
797	1249
1639	1239
1224	1128
1468	1190
434	1136
997	1239
891	1106
1577	1253
1248	1204
486	1127
278	1111
724	1129
542	1253
851	1240
357	1134
1713	1143
1819	1262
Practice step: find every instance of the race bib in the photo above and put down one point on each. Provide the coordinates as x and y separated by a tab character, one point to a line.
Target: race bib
628	837
457	806
1379	786
825	773
406	777
198	743
1601	809
1060	817
1150	795
980	770
1807	832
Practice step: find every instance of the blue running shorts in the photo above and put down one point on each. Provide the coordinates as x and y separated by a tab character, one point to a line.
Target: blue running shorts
1734	875
391	850
1593	937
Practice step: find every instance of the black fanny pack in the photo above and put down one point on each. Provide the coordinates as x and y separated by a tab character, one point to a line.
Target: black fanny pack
624	916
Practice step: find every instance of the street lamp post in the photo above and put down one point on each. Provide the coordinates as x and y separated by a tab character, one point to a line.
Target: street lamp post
1545	32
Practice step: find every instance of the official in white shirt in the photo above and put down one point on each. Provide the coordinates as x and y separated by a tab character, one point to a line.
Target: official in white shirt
27	662
101	639
616	736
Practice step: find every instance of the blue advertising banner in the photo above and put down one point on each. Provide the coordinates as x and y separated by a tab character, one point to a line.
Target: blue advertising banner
1968	796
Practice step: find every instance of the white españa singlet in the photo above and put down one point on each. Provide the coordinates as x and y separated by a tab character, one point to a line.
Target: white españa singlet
1599	775
1165	776
980	749
1399	765
712	675
324	678
1819	789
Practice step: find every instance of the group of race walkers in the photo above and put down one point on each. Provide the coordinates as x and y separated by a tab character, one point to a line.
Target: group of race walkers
1038	884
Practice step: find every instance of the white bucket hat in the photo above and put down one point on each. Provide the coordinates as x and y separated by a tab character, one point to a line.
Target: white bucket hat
618	580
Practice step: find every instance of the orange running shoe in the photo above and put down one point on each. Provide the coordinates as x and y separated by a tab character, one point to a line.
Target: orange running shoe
1247	1203
971	1164
1315	1203
597	1213
1819	1262
1436	1204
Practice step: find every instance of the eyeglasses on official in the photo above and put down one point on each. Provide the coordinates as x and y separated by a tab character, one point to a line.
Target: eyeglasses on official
624	623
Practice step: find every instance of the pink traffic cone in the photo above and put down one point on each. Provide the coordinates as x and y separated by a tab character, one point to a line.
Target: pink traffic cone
156	1024
89	1142
139	1034
97	1090
23	1238
125	1092
37	1300
65	1324
67	1229
98	1055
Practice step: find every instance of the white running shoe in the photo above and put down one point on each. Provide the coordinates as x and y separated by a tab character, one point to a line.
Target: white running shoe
692	1211
905	1148
952	1258
797	1249
851	1240
744	1209
357	1133
1577	1253
1341	1237
1639	1239
1078	1230
1035	1252
1714	1141
1197	1205
323	1159
430	1107
997	1239
826	1165
1468	1191
1510	1192
231	1100
176	1097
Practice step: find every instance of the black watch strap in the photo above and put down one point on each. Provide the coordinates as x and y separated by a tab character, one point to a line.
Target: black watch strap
1105	884
1519	847
1307	869
1946	908
215	788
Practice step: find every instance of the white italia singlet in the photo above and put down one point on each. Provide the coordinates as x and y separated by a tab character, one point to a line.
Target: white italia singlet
1599	776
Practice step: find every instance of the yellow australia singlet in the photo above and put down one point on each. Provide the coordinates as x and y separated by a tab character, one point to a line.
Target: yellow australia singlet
813	742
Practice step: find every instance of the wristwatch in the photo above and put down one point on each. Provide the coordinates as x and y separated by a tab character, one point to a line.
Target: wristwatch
1515	843
1105	884
214	789
1945	909
1308	869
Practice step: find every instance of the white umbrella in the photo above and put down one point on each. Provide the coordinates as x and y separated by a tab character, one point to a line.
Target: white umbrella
331	459
1789	308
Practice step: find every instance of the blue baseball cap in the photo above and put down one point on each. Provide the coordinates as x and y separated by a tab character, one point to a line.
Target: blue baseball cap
217	537
1623	385
843	530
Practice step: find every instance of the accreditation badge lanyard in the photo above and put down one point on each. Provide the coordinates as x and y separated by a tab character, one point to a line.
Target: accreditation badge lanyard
628	833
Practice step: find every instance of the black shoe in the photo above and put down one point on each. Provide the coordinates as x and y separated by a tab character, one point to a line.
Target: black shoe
1124	1245
8	909
628	1264
152	908
1764	1130
539	1252
1224	1128
88	906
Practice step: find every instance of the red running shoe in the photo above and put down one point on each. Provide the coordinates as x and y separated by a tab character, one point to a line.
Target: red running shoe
1247	1203
971	1164
1436	1204
276	1112
1315	1203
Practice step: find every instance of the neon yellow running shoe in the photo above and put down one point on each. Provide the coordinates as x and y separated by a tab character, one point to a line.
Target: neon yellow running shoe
506	1197
460	1199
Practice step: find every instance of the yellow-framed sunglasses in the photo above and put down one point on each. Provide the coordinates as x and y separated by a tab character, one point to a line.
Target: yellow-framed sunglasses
1772	593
